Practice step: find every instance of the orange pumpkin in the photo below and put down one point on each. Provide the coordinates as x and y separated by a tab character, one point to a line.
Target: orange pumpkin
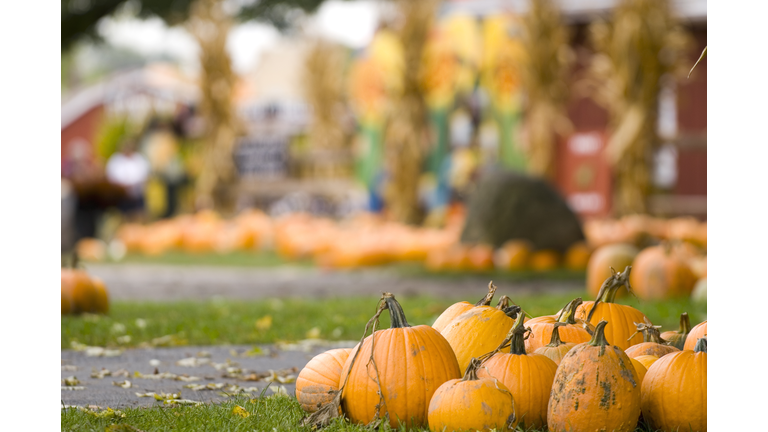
571	331
640	369
412	361
459	308
577	256
480	330
79	285
646	360
652	344
658	274
480	257
676	338
513	255
697	332
556	348
674	393
622	318
528	377
319	378
596	387
472	403
544	260
618	256
67	305
101	296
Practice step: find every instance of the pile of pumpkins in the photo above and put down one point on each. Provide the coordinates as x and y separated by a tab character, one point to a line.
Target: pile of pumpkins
595	365
81	292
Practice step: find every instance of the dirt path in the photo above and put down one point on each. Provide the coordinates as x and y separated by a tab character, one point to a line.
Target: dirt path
169	283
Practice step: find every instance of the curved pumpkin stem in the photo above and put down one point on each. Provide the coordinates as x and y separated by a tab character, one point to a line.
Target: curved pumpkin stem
685	324
568	314
555	340
471	372
518	331
486	301
396	314
507	306
701	345
598	339
610	287
650	332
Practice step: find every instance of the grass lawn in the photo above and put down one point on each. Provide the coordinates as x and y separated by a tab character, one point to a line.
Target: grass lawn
274	413
223	322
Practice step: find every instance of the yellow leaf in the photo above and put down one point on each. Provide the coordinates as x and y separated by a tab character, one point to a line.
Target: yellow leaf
263	324
313	333
238	410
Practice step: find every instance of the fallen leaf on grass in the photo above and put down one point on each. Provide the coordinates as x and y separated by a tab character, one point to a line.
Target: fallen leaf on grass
108	413
70	381
160	396
280	376
157	376
240	411
100	374
264	323
209	386
123	339
120	373
187	378
165	341
69	368
193	362
279	391
72	388
124	384
92	351
182	402
313	333
227	364
155	362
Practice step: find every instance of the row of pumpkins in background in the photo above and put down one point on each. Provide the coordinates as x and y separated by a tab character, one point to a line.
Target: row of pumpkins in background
592	366
81	292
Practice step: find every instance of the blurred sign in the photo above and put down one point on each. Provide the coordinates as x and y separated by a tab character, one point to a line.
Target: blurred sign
262	156
583	176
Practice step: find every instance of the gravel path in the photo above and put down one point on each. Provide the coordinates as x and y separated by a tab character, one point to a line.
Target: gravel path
169	283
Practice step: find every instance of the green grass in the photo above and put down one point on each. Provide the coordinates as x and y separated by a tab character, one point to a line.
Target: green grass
229	322
275	413
234	259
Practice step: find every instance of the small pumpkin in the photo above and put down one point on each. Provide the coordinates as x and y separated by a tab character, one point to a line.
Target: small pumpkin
480	330
79	285
480	257
528	377
544	260
67	304
319	378
697	332
472	403
640	369
101	297
596	388
676	338
618	256
459	308
513	255
556	348
571	331
577	256
412	361
646	360
659	274
674	393
621	318
652	344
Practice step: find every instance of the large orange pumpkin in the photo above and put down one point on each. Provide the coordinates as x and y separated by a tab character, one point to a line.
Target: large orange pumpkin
646	360
556	348
658	274
621	318
79	285
480	330
409	364
571	331
528	377
674	392
459	308
616	256
697	332
319	378
596	388
677	338
652	343
101	304
472	403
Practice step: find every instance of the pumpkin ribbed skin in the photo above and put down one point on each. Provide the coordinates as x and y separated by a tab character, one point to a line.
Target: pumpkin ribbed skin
674	393
476	332
321	375
541	329
618	256
412	363
650	348
621	322
640	369
456	309
697	332
556	349
101	297
596	388
659	274
471	404
646	360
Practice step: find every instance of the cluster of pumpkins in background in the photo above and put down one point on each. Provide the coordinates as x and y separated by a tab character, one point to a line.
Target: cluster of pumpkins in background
595	365
82	293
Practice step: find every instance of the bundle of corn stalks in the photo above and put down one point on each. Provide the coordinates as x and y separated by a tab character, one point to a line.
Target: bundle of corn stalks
324	89
544	76
407	129
209	24
642	45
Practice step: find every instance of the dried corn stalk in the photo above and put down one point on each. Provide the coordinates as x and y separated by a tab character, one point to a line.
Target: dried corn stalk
406	132
544	76
324	89
209	24
642	45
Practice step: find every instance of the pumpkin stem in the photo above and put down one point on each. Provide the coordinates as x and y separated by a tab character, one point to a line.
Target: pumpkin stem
568	314
555	341
685	324
598	339
518	331
701	345
510	310
650	332
471	372
396	314
610	287
486	301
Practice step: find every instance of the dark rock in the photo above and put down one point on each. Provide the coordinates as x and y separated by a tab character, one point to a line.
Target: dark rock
506	205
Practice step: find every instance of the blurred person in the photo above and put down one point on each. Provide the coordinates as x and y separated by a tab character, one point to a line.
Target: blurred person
130	170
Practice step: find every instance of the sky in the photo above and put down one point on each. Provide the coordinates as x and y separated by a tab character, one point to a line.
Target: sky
349	23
